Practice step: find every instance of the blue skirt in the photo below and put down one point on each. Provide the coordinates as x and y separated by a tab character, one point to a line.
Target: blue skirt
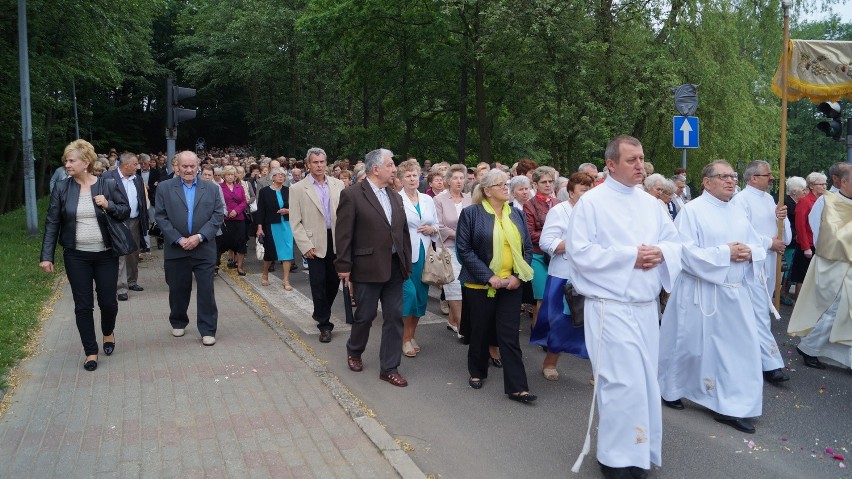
415	293
539	276
554	329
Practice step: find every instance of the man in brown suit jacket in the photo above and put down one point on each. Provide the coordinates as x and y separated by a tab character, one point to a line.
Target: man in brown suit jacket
377	256
313	213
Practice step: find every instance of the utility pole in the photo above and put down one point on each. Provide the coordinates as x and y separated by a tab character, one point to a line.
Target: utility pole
27	122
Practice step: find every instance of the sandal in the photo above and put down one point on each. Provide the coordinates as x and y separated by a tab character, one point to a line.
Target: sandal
415	345
408	350
264	280
287	286
551	374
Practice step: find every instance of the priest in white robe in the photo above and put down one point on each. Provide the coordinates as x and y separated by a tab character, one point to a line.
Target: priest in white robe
763	213
709	343
823	311
622	250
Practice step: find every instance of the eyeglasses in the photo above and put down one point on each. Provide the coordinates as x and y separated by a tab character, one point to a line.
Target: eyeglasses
725	177
499	185
819	184
768	174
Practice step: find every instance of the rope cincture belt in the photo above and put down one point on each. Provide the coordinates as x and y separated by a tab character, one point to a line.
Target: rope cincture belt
587	443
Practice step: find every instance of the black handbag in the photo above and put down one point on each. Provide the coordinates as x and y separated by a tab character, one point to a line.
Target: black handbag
120	239
576	304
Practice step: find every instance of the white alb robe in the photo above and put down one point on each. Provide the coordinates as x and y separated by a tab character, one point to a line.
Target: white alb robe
708	338
607	226
759	208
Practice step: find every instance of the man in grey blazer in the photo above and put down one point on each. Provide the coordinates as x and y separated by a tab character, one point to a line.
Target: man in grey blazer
376	256
189	211
131	184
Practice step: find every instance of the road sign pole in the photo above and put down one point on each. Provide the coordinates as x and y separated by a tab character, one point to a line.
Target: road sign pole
683	159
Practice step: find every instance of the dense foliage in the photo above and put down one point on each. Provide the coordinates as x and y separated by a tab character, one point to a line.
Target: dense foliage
457	80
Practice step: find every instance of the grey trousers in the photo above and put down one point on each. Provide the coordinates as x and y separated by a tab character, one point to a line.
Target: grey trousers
128	265
367	295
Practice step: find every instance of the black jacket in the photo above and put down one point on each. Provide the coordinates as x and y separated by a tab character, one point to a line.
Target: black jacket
61	221
475	238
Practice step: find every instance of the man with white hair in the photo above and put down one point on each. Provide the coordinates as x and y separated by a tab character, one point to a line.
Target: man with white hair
763	213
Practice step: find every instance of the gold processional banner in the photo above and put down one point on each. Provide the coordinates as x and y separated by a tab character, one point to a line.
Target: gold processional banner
819	70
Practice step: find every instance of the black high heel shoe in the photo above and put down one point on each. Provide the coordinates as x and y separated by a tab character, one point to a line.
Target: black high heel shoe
109	347
496	362
90	365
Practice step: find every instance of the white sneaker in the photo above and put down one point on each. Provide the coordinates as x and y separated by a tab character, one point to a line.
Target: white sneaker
304	263
208	340
178	332
445	307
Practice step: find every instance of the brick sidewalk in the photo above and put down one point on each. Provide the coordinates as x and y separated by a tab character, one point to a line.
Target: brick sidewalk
169	407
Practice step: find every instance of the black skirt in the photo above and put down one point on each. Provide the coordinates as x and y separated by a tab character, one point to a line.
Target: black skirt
800	266
234	236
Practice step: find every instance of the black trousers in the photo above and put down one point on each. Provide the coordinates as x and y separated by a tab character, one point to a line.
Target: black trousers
324	284
179	272
84	268
499	315
368	295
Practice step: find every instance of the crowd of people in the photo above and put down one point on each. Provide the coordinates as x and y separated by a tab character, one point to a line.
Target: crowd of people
668	296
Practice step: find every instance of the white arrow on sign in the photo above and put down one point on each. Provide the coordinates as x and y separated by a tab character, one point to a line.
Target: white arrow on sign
686	129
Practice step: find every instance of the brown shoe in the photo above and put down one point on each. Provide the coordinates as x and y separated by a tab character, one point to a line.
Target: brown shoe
394	378
355	363
325	336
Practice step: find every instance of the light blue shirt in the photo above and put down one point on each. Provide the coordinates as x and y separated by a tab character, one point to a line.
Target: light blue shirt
132	196
189	194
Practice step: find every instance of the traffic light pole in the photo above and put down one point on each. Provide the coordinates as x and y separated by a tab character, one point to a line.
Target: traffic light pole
171	136
849	140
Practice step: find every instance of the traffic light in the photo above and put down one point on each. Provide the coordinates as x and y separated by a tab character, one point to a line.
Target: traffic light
174	113
833	126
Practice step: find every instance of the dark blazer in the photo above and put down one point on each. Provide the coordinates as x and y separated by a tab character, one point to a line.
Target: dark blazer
61	221
153	179
171	214
364	239
474	242
140	197
267	214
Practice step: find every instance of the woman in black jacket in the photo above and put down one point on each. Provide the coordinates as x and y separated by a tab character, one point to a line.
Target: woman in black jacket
273	225
76	219
494	248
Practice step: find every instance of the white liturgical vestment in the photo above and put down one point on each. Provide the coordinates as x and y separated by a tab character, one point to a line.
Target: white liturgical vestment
759	207
606	228
710	349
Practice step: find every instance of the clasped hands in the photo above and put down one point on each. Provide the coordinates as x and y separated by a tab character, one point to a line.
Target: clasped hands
497	282
648	257
189	243
740	252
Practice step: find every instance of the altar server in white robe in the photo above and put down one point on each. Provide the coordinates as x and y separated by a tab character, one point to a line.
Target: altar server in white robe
708	338
823	311
623	250
763	213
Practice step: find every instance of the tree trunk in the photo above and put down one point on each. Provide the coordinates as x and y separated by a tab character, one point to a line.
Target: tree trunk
462	145
482	119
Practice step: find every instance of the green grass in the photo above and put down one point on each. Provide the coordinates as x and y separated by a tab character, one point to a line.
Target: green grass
24	287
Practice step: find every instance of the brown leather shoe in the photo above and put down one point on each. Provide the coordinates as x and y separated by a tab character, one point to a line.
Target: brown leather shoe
394	378
355	363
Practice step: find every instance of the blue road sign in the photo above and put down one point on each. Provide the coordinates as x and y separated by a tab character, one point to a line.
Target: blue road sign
685	131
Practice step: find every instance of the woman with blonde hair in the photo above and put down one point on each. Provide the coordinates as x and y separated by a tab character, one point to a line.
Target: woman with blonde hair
76	219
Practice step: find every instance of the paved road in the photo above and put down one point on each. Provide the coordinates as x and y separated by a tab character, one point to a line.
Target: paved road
456	431
160	406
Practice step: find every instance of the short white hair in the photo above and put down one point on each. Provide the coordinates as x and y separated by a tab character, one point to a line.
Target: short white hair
816	177
652	180
795	185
